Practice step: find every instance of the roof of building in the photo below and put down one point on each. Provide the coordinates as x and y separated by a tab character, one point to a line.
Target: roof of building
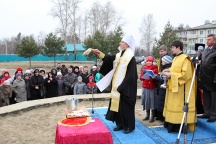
205	26
79	47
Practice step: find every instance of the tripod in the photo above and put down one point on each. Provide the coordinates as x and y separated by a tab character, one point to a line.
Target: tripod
185	109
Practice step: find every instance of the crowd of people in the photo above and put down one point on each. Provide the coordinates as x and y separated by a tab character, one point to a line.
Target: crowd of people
33	84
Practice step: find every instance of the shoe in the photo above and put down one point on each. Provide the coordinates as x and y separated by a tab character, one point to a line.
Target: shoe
211	120
117	128
203	116
127	130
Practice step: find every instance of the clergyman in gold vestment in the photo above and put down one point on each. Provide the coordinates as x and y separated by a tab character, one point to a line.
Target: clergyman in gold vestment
179	81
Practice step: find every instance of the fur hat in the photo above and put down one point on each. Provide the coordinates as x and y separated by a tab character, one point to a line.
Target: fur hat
167	59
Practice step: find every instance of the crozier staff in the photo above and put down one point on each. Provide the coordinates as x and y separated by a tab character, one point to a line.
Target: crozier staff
124	84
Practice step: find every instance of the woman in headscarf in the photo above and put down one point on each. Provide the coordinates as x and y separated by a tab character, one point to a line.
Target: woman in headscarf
5	76
5	93
19	88
51	85
36	82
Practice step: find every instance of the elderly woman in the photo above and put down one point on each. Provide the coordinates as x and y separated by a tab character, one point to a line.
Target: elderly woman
19	88
5	93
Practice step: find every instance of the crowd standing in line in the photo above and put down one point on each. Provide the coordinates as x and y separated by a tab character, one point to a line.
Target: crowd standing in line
38	84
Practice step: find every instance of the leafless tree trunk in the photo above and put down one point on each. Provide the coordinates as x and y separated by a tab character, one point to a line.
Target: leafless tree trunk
147	31
61	11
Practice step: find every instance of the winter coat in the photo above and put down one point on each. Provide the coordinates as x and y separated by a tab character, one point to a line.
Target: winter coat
5	94
19	88
28	91
161	92
148	83
61	86
36	81
91	86
64	71
80	88
85	77
208	69
69	79
51	87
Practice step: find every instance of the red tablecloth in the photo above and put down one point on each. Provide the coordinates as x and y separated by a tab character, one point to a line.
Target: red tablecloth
92	133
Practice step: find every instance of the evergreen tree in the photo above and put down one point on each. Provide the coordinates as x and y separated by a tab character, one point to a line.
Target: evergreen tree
166	38
27	48
105	43
53	46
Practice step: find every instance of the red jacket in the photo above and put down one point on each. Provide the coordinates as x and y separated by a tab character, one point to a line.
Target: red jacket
4	77
151	84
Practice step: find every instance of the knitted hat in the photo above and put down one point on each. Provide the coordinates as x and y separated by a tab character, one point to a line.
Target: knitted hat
150	59
79	77
94	67
18	74
167	59
19	69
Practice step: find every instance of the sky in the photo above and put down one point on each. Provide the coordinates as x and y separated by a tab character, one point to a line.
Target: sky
33	16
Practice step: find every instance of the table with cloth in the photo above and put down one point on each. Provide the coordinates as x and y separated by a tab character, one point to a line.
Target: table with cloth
92	133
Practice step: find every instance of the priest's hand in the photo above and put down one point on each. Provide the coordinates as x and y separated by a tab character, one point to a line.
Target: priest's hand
87	52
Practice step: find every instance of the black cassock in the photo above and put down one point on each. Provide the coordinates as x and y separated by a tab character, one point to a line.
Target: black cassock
125	117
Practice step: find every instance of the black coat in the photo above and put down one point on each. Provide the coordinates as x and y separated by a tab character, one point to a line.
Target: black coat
161	92
208	69
51	87
36	81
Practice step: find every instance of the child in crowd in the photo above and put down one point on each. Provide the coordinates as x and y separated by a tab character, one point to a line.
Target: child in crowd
61	87
149	90
5	76
161	92
80	87
91	86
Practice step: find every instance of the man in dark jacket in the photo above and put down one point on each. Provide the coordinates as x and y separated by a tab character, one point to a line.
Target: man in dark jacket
208	78
69	81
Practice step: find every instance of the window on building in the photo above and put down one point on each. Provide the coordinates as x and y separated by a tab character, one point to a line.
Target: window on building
201	40
209	31
201	32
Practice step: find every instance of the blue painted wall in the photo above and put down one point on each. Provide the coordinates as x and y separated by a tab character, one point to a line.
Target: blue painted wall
15	57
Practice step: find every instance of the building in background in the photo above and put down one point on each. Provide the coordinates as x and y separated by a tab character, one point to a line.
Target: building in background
192	35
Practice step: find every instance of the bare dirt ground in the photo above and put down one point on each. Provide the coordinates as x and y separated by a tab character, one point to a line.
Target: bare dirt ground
38	126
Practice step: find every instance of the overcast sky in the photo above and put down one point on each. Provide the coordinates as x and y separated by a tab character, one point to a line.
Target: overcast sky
32	16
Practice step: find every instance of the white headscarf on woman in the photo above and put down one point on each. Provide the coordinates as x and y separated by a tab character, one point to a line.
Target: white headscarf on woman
130	41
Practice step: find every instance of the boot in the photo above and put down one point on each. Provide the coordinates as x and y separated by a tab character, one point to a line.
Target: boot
152	116
147	115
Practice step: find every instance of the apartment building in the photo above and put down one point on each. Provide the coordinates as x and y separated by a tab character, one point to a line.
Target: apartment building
192	35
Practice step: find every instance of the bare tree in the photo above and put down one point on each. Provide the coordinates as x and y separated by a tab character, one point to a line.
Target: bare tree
66	12
61	11
104	17
147	31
